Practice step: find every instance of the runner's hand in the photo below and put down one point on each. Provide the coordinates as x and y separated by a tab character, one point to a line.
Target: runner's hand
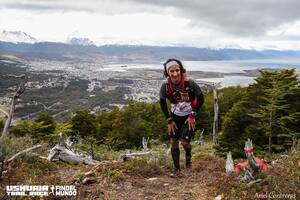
171	128
191	122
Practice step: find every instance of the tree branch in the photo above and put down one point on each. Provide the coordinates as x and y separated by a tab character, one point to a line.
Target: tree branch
18	93
22	152
4	112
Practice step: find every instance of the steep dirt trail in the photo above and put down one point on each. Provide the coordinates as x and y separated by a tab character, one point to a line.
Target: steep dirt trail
197	184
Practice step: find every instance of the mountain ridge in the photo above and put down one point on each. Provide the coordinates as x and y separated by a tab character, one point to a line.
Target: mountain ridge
53	50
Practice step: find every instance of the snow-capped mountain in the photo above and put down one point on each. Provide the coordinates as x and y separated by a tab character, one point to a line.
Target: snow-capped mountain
111	41
16	37
77	38
80	41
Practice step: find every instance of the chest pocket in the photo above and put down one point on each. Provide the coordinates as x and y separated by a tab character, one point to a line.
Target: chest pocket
176	95
185	96
181	96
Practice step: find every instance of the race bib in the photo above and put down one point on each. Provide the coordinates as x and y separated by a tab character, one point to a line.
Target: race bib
181	108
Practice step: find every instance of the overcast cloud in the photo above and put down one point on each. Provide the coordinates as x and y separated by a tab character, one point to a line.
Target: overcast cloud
238	17
227	20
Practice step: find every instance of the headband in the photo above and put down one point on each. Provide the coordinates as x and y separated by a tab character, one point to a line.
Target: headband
170	64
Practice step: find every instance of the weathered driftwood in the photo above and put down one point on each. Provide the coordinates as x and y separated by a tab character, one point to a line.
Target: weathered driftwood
97	167
253	182
229	164
89	180
129	155
248	176
63	152
145	144
20	90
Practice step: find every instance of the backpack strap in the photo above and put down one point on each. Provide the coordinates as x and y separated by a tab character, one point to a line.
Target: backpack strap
185	87
169	91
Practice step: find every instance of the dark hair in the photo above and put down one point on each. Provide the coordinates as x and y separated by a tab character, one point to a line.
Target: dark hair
182	69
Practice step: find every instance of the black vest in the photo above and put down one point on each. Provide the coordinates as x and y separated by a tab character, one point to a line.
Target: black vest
186	93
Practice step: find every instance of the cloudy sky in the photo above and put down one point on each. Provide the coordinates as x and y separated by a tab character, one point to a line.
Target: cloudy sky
250	24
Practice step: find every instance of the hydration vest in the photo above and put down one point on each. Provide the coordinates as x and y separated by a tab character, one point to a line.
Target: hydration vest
186	93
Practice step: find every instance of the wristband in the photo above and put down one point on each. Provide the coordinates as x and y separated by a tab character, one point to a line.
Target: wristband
192	115
170	120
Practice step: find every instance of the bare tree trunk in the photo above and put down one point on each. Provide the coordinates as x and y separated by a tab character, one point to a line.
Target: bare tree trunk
9	118
18	93
250	155
214	87
216	113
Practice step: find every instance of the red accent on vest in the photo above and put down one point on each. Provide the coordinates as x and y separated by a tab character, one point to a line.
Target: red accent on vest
170	89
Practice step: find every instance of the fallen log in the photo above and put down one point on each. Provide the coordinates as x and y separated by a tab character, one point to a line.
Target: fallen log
66	155
128	156
63	152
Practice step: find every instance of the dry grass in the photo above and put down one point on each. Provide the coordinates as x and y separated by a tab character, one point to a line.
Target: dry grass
147	177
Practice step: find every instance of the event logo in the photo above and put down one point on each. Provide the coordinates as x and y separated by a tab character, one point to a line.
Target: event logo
41	190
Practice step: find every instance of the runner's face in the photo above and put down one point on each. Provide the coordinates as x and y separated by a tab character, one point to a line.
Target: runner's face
175	74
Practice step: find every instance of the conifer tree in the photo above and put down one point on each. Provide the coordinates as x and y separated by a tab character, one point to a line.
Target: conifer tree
268	114
274	113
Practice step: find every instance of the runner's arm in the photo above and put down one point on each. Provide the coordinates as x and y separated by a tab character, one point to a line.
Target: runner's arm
164	107
200	102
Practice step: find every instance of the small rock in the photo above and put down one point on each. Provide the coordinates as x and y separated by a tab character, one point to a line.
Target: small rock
284	156
166	184
87	180
152	179
76	181
219	197
128	186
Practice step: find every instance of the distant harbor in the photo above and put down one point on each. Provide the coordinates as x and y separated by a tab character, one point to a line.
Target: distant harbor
228	72
225	66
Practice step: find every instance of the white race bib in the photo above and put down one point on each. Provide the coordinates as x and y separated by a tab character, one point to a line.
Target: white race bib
181	108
